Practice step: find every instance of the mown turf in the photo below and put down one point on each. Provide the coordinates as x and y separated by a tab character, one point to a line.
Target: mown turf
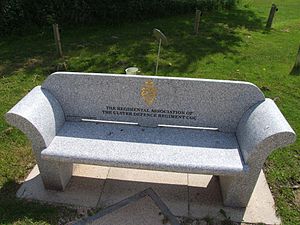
231	45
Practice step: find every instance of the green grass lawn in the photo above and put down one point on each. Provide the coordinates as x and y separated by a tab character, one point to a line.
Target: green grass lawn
231	45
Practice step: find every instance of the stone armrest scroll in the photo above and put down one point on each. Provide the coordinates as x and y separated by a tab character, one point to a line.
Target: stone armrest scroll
262	129
39	115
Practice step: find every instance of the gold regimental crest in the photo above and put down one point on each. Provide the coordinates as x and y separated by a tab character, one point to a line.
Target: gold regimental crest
149	92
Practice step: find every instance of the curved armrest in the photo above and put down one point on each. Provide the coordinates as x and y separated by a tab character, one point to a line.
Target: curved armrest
39	115
262	129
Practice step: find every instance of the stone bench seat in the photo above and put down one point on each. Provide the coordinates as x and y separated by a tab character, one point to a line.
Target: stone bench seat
162	148
217	127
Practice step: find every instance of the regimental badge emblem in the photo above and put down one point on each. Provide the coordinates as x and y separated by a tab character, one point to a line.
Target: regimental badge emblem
149	92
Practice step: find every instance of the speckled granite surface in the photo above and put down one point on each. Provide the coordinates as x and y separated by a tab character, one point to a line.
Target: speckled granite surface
204	103
168	149
249	127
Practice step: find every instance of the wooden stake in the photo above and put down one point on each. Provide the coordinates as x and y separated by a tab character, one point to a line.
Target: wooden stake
57	40
197	21
271	16
296	68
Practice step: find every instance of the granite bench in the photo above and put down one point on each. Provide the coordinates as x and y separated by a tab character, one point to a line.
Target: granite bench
222	128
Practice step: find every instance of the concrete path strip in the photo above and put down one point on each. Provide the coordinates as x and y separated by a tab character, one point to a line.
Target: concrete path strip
143	208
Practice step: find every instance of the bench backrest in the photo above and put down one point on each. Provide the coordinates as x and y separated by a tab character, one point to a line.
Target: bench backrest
150	101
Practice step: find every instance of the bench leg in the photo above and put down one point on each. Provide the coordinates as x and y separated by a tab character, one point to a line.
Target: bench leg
237	190
55	175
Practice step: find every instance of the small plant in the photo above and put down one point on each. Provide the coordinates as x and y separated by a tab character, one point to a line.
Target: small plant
208	220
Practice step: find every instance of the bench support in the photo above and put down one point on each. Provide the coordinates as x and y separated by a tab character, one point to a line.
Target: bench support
237	190
55	175
262	129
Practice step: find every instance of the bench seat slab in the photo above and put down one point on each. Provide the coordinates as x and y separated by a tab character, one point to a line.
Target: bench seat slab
161	148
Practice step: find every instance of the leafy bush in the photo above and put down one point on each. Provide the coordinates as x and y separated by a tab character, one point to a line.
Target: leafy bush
16	14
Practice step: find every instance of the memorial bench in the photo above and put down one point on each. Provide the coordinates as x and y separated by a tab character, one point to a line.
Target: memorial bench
223	128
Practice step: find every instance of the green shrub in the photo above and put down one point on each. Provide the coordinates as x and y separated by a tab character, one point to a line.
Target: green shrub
17	14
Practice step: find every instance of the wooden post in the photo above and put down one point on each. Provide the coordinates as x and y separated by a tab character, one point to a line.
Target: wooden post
296	68
271	16
197	21
57	40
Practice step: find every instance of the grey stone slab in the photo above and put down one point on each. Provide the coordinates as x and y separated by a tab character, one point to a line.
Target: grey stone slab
174	196
142	212
170	149
81	191
204	103
203	197
143	208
